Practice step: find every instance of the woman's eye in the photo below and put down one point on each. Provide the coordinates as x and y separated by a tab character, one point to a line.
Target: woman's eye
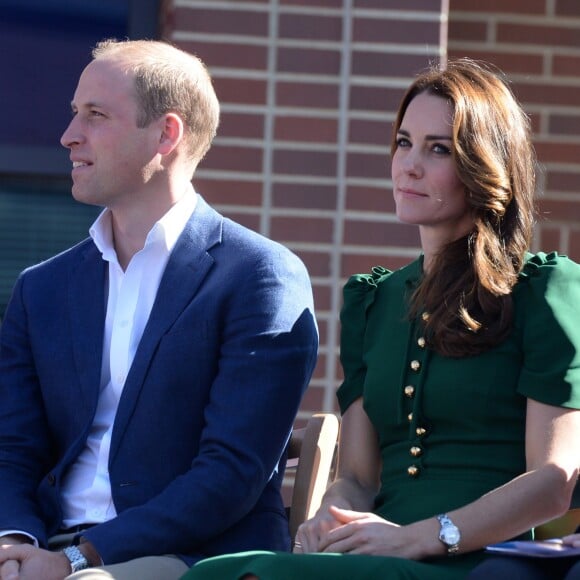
441	149
403	142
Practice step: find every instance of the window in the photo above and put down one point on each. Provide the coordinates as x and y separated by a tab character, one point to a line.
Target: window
45	44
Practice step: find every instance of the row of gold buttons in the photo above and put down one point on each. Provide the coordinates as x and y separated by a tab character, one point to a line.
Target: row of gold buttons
409	390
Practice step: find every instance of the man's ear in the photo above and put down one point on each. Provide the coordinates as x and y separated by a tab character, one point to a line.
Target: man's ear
172	131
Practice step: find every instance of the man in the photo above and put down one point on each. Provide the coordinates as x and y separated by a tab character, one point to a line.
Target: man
150	375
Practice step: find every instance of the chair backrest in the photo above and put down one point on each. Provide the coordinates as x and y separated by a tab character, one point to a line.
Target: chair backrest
311	450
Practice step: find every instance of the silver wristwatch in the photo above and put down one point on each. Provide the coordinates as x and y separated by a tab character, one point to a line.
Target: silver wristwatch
449	534
76	558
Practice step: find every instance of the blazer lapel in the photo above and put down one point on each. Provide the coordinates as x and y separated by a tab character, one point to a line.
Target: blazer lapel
186	269
87	300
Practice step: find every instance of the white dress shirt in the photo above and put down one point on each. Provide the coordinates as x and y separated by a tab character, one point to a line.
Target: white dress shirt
86	489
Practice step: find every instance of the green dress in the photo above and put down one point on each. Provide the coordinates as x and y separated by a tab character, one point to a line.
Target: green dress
450	429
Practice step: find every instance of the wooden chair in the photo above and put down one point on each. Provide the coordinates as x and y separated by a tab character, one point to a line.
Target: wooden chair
563	525
311	452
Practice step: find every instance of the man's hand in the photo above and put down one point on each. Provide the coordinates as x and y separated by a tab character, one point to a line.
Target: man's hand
25	562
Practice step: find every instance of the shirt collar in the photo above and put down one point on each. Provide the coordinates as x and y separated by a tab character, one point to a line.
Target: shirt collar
165	231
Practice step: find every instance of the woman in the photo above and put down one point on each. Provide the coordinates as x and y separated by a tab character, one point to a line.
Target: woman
462	369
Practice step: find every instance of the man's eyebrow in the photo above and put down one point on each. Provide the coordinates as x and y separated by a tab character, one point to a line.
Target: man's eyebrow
427	137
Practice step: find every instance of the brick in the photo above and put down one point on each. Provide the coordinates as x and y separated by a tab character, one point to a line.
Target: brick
320	369
563	180
549	238
313	3
321	163
229	192
566	65
363	264
310	27
551	209
322	298
251	221
547	94
289	229
304	195
388	31
240	91
246	125
230	158
387	65
367	233
312	129
509	63
308	95
309	61
564	124
416	6
375	132
500	6
368	165
313	400
238	56
538	35
568	8
574	245
366	198
317	263
239	22
383	99
322	330
558	152
460	29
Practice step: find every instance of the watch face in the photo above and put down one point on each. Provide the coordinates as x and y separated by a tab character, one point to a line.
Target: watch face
450	535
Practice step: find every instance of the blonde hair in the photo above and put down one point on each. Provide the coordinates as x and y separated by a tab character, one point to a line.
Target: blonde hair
467	291
167	79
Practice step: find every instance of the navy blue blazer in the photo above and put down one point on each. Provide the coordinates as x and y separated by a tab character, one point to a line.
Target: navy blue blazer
197	450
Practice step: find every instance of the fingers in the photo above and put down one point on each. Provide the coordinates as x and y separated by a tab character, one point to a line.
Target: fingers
572	540
10	570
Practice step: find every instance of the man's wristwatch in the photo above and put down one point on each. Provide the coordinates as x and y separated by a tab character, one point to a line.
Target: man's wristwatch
449	534
76	558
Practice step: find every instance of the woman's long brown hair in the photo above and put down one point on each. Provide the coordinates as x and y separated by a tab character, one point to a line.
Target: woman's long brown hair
467	290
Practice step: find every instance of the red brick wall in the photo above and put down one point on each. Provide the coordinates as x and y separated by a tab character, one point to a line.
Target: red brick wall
308	91
537	42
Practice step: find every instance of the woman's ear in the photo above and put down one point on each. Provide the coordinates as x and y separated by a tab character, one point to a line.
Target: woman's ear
172	131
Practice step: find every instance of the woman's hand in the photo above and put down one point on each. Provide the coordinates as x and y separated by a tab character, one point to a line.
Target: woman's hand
310	532
363	533
572	540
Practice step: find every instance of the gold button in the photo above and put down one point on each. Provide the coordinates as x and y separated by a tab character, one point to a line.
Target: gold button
421	342
410	417
413	470
425	316
420	431
409	391
415	451
415	365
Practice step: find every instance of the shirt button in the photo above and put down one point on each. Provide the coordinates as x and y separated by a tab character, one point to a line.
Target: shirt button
425	316
415	365
409	391
410	417
415	451
420	431
421	342
413	471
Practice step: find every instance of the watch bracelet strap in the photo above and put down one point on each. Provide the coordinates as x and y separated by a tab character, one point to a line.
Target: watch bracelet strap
77	559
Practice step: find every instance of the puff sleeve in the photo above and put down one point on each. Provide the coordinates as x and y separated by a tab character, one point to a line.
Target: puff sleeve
547	301
358	296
